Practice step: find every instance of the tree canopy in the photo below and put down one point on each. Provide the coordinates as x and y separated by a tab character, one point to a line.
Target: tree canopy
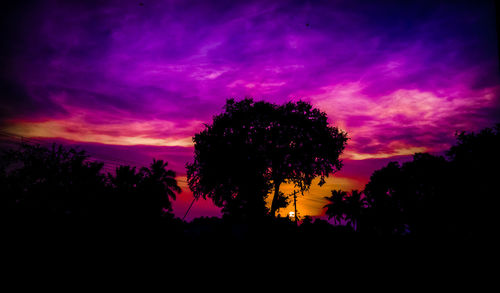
254	147
430	196
52	182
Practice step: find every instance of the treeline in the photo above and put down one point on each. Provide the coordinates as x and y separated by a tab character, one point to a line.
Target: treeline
40	183
455	195
430	196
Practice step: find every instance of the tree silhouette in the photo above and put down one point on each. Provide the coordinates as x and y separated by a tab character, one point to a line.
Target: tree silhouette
124	185
254	147
51	182
344	206
336	209
474	169
412	198
283	201
384	214
157	187
354	207
425	194
126	179
229	164
434	197
302	147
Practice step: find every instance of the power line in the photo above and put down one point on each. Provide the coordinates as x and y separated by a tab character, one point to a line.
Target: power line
314	200
194	199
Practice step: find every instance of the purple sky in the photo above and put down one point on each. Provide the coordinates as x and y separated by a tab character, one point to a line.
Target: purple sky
138	81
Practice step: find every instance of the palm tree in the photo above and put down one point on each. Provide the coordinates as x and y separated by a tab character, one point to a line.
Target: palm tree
354	204
159	186
337	206
125	184
126	179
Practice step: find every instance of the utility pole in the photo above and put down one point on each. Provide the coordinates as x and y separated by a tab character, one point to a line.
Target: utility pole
295	205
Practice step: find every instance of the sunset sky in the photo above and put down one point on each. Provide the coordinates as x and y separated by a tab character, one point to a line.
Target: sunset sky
133	80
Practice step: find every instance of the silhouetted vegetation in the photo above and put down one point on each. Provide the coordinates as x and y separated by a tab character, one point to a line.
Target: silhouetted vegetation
430	197
41	183
345	207
254	147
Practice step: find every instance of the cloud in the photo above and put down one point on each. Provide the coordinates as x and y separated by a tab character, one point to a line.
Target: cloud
404	121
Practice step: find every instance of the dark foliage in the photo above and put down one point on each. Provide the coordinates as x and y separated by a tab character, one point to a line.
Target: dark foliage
254	147
407	199
475	176
430	196
40	183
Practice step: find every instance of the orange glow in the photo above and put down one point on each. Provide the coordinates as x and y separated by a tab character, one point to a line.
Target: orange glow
312	202
309	204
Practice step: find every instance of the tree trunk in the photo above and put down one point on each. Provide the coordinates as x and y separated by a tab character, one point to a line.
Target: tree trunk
274	203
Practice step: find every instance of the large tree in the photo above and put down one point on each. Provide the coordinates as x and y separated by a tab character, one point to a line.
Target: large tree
254	147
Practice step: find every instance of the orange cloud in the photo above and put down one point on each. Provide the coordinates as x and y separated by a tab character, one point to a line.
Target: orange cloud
118	133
